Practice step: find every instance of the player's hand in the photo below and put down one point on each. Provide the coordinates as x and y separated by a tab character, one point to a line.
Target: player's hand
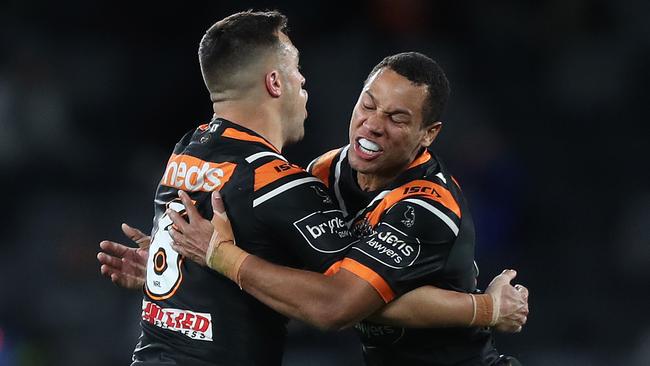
512	302
220	221
192	236
125	266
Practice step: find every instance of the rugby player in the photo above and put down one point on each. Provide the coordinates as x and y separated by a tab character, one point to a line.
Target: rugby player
190	314
406	211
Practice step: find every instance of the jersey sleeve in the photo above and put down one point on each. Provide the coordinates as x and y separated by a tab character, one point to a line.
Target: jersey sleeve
297	209
321	167
408	248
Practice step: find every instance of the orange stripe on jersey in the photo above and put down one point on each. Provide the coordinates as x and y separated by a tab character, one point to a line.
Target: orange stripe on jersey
241	135
334	268
423	158
272	171
193	174
415	188
321	168
375	280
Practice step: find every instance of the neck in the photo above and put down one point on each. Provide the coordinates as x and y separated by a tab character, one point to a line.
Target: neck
254	115
373	182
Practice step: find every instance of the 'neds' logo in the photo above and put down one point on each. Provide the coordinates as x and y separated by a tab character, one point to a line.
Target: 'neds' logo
193	174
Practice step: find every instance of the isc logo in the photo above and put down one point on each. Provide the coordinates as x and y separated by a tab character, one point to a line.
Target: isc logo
420	189
282	167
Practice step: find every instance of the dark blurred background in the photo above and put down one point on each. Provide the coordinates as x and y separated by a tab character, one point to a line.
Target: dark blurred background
547	132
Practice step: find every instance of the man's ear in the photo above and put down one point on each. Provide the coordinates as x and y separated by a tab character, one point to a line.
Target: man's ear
273	83
431	133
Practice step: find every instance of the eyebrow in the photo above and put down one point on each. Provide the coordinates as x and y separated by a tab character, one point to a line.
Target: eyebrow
394	111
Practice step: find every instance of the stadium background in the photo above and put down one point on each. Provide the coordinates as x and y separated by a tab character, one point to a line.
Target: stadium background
545	132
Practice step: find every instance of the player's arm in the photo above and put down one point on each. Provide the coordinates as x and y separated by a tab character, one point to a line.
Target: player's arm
327	302
332	302
343	299
431	307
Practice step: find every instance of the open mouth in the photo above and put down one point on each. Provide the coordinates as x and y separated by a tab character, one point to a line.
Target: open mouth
367	149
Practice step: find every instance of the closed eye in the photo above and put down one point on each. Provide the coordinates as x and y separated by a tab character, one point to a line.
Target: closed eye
399	118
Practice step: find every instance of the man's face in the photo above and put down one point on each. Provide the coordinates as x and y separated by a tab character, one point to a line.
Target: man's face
294	96
386	131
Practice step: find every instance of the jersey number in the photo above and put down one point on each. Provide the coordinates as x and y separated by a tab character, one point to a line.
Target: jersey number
164	274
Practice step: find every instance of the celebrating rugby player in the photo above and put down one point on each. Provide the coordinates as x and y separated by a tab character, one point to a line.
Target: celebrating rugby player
287	218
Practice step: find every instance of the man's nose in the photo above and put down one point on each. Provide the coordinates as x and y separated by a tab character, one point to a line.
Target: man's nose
374	125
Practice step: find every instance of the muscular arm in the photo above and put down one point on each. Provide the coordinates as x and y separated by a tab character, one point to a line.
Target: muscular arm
339	301
428	307
327	302
343	299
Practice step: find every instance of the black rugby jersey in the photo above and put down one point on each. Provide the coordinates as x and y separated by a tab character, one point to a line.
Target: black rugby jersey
417	231
191	315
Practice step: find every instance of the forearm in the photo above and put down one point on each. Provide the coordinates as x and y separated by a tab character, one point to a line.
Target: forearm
432	307
427	307
307	296
341	300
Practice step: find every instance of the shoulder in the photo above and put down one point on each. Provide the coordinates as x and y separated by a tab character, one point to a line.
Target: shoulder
421	207
321	166
434	190
210	155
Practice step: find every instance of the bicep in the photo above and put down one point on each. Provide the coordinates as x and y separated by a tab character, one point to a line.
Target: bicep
328	302
355	299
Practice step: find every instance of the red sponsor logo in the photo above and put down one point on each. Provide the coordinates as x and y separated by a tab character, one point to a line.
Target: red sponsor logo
192	324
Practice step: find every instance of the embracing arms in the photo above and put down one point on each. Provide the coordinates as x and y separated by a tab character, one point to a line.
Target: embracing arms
345	295
328	302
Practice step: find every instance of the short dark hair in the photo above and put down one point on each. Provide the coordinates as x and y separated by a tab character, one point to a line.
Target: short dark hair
420	70
236	41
